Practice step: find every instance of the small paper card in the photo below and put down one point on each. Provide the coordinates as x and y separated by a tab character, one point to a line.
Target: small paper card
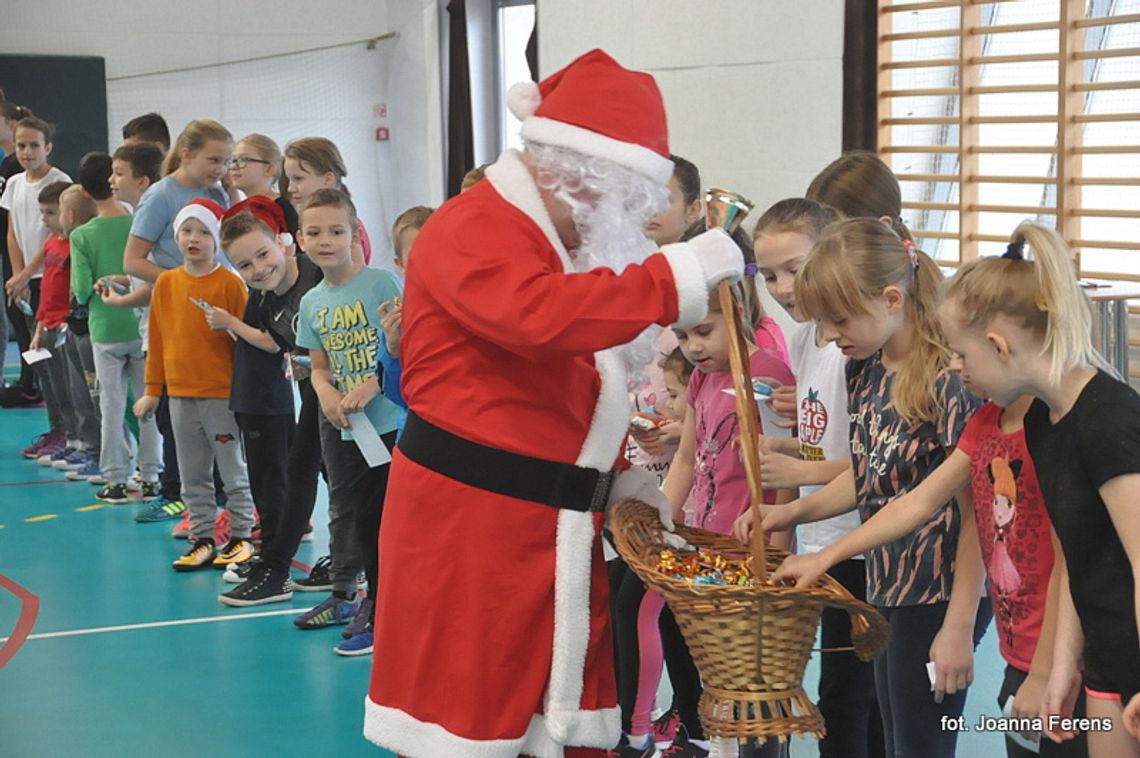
35	356
768	417
364	434
1031	741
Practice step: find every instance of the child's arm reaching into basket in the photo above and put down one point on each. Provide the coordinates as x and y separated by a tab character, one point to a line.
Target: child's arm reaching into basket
835	498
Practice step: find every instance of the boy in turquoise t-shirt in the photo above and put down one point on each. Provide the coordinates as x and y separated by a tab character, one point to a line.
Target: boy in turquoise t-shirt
120	363
340	325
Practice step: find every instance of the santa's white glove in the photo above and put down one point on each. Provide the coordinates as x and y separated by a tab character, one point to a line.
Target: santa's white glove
719	256
642	485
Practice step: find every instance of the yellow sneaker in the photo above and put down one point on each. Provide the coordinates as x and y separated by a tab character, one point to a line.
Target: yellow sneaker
237	551
198	556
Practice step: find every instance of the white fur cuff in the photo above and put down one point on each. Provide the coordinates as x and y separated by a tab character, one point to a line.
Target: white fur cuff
689	276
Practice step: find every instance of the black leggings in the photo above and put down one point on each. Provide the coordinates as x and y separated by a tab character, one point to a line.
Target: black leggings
266	440
299	484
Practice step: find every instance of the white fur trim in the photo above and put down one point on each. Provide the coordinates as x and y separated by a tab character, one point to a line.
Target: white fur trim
514	183
628	154
571	621
397	731
610	421
692	289
206	216
523	98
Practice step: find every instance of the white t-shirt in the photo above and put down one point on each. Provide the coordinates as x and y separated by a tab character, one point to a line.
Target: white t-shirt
821	397
21	199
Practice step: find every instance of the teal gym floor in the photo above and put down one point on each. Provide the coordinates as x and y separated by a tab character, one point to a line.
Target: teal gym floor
127	658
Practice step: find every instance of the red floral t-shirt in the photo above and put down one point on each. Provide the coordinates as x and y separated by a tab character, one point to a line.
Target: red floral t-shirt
1013	528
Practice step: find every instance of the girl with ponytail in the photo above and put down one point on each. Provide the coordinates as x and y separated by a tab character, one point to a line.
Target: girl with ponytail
873	294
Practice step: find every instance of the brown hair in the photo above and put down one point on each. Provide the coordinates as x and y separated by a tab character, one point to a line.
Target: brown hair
13	112
859	185
75	199
241	224
678	363
852	264
473	176
34	122
49	195
413	218
316	155
1041	294
194	137
267	150
329	197
145	159
796	214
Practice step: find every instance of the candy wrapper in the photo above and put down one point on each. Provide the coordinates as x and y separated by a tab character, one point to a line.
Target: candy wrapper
705	568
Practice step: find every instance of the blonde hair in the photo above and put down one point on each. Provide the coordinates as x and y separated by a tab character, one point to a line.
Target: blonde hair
852	264
267	150
413	218
796	214
860	185
473	176
79	202
1041	294
194	137
318	156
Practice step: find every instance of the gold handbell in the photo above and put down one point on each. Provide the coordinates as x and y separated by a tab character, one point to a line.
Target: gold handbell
725	210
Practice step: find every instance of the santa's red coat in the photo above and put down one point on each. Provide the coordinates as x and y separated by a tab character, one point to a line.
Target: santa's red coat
492	632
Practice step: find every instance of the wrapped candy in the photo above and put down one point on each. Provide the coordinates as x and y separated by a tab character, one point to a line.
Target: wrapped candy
705	568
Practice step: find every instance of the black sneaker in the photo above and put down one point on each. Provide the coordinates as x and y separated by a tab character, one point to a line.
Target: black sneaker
683	747
265	584
236	573
113	493
626	750
319	578
150	491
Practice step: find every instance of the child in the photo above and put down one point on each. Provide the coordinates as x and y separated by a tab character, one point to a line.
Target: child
148	128
284	457
120	364
873	296
782	239
313	163
337	327
193	364
1025	327
255	169
50	330
193	169
134	167
1013	528
388	370
25	238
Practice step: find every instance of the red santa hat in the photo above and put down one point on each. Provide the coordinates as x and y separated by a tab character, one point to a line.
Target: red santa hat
596	107
267	212
206	211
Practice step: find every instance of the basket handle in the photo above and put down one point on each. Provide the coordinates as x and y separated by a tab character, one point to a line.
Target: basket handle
869	630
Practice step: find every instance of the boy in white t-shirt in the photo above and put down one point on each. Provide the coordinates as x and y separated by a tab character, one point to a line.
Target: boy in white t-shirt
26	230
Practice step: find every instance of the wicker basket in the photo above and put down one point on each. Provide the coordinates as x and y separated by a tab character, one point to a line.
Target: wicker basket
751	644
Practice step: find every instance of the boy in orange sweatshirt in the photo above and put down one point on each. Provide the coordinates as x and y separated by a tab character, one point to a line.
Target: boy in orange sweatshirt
195	363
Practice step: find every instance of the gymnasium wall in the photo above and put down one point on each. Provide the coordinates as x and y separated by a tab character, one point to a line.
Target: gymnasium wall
333	93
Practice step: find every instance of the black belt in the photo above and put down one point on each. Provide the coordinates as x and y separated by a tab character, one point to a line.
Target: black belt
559	485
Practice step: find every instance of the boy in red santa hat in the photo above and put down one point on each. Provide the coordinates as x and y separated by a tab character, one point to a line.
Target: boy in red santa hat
527	302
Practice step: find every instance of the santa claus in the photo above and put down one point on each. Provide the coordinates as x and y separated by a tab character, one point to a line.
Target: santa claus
528	298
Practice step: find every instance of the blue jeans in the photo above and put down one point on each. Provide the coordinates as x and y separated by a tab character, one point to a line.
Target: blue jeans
912	721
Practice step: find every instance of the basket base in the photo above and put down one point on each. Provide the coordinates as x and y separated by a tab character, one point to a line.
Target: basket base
741	715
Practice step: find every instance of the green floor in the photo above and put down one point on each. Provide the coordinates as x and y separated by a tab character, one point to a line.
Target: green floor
233	680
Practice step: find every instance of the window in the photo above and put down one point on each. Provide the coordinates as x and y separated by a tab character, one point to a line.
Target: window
994	112
514	22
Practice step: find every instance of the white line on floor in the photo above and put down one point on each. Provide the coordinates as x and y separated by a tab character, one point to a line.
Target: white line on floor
157	624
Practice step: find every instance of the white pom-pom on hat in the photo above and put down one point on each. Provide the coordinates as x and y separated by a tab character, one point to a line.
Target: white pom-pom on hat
523	99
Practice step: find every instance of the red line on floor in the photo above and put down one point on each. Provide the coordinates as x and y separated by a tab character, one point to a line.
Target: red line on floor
302	567
29	609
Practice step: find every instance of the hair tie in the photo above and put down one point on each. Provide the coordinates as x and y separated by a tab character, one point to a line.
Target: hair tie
751	269
1015	251
912	251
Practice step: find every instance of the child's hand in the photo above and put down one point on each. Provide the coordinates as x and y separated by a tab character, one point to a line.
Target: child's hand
1060	697
330	406
112	299
300	371
1131	716
220	320
392	322
953	655
802	570
1027	701
355	400
35	343
779	471
742	527
16	285
783	401
145	406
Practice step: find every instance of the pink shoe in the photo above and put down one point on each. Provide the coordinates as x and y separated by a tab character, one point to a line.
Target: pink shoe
181	530
54	440
222	531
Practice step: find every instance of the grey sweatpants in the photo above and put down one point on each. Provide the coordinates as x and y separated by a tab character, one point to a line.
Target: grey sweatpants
53	377
119	368
206	432
84	391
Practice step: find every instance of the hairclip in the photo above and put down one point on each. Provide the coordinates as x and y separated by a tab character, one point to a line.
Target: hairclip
1015	251
751	269
912	251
